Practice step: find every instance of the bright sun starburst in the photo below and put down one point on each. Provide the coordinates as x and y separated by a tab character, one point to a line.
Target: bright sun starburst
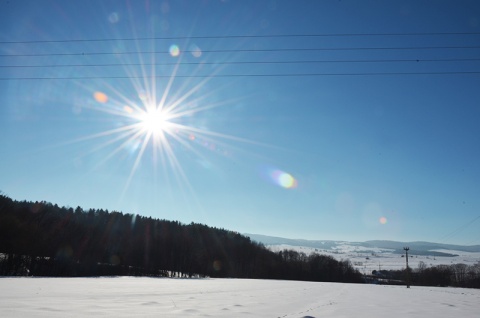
158	118
154	121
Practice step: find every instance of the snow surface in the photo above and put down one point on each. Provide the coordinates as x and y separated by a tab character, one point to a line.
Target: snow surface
162	297
367	259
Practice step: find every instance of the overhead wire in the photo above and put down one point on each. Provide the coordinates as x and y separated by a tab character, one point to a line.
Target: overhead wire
246	50
460	229
246	36
313	74
244	75
245	62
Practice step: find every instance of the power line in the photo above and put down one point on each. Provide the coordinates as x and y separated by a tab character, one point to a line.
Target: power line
245	62
246	50
243	36
244	75
459	229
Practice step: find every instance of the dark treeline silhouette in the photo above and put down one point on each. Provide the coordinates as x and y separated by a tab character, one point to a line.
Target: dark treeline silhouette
455	275
43	239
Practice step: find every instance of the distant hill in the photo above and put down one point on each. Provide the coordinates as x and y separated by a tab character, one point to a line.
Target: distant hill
417	248
273	240
423	246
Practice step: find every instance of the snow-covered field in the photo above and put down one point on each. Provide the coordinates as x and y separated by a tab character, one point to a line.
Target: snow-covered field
367	259
151	297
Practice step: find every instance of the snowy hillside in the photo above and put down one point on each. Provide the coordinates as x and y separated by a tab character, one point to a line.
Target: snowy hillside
150	297
379	255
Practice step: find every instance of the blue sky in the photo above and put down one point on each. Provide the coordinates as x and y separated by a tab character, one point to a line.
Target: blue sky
316	148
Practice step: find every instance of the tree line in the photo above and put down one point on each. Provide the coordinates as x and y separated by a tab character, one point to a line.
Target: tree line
43	239
454	275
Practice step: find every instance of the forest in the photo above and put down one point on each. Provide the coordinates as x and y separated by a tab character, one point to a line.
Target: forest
454	275
43	239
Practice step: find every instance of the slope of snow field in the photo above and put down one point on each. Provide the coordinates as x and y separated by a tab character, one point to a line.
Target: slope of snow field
152	297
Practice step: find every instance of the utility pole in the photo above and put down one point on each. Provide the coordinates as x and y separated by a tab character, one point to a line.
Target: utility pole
406	258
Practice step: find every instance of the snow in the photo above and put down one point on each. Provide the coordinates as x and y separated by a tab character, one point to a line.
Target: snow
367	259
162	297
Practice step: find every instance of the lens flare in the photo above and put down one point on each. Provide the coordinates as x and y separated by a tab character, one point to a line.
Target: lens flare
383	220
128	109
142	96
100	97
217	265
174	50
113	17
196	51
283	179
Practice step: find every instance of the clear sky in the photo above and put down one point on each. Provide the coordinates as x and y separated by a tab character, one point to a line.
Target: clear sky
267	117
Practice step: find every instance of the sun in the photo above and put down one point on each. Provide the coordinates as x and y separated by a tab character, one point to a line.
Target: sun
154	121
163	121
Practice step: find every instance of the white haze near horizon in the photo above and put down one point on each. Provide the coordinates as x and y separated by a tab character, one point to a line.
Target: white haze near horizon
163	297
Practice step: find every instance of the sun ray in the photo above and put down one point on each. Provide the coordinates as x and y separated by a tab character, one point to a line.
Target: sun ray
136	163
120	147
180	175
219	135
168	87
156	118
190	111
179	100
